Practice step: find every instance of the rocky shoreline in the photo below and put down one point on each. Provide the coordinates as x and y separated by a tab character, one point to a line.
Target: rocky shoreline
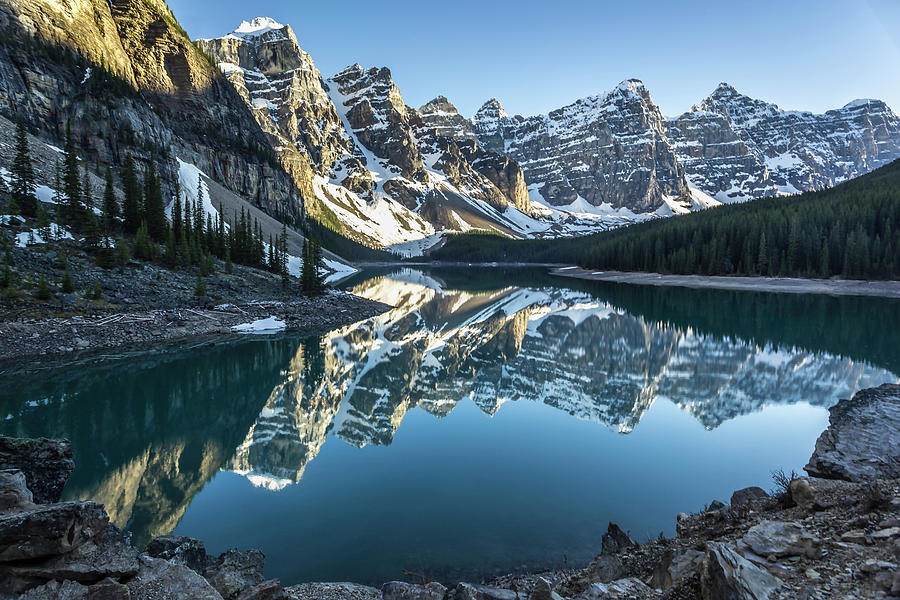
834	287
65	336
834	534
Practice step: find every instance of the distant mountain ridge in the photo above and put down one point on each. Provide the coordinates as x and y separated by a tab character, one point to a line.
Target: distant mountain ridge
348	151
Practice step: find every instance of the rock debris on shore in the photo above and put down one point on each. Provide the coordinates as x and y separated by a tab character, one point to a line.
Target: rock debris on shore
836	537
64	336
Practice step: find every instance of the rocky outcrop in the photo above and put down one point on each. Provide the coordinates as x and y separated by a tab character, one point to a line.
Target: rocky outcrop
737	148
610	149
45	464
862	441
727	574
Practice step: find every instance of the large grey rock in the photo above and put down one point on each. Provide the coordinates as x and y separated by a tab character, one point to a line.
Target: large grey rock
605	568
676	566
181	550
778	538
57	590
107	555
401	590
727	575
542	590
748	495
332	591
862	441
469	591
14	495
813	493
630	588
614	540
267	590
235	570
47	464
158	579
49	530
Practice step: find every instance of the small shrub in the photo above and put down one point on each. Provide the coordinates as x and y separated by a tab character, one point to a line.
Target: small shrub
97	292
43	290
782	489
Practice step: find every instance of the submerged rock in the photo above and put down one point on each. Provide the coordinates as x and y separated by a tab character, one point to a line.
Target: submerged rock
729	576
46	464
862	441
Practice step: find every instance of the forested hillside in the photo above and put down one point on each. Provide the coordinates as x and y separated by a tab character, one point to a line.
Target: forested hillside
852	231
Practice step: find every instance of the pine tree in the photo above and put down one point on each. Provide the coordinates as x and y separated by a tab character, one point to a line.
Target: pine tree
71	184
67	286
177	221
110	206
43	290
142	245
87	192
171	256
318	264
283	256
23	186
7	280
200	288
131	204
154	209
92	234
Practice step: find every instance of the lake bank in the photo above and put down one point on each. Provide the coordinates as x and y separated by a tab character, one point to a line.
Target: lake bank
834	287
106	330
832	534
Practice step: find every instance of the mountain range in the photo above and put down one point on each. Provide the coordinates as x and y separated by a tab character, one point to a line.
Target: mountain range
251	112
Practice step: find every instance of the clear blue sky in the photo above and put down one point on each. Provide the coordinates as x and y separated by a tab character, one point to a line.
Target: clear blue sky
536	55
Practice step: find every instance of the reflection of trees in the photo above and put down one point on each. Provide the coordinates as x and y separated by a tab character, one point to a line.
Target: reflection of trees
149	431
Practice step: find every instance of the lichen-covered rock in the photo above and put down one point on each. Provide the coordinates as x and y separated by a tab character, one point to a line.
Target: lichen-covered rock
777	538
158	579
862	441
676	566
630	588
332	591
235	570
49	530
107	555
729	576
179	550
14	494
401	590
748	495
614	540
47	464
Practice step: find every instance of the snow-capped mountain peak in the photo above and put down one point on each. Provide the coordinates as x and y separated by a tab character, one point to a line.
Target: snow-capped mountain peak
257	26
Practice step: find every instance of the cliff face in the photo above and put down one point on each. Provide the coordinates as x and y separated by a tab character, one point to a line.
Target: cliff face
161	97
606	149
737	148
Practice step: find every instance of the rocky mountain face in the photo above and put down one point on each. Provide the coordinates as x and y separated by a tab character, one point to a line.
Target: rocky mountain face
610	149
161	98
377	170
738	148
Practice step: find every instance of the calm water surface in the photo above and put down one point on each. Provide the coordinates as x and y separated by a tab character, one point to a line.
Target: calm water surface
495	420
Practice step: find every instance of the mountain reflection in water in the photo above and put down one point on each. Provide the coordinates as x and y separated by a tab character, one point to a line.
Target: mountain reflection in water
149	432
